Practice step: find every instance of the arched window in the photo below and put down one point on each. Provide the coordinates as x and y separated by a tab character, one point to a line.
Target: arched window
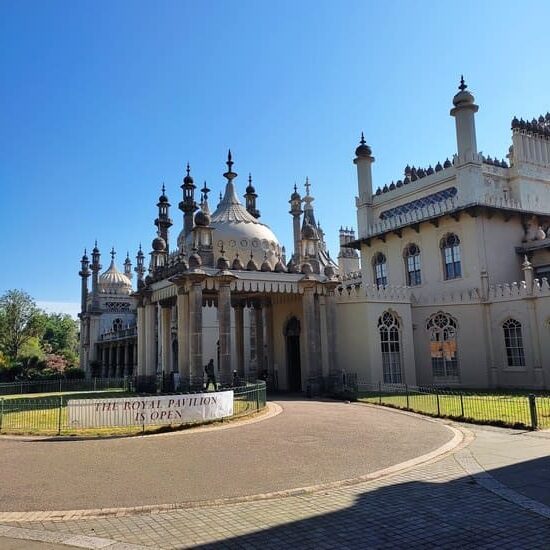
412	265
388	326
443	346
513	340
380	269
117	325
450	249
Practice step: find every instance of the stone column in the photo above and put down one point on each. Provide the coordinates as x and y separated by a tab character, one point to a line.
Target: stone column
224	321
183	334
330	313
239	337
150	340
268	321
140	355
112	362
195	330
165	325
311	331
134	359
259	319
126	370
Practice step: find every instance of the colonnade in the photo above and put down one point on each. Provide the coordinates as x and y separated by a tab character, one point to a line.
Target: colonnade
118	358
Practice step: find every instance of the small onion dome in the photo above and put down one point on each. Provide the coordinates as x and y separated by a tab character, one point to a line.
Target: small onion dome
378	191
515	123
414	175
158	244
406	180
463	97
202	218
250	188
163	198
429	171
237	264
223	263
251	265
407	170
447	163
363	150
399	183
307	269
295	196
392	186
438	167
329	272
265	266
279	266
385	189
540	235
195	261
188	179
421	173
84	257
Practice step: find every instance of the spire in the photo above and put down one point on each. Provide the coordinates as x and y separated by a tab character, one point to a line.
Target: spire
188	204
307	186
462	86
229	175
250	198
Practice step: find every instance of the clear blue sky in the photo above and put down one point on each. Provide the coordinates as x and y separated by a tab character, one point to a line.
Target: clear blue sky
102	101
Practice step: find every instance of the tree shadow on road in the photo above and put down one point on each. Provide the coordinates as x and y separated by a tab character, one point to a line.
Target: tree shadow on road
455	514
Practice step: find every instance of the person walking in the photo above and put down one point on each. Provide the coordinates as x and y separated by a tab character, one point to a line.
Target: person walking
210	374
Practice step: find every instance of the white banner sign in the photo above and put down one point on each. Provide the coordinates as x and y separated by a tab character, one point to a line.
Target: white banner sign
153	410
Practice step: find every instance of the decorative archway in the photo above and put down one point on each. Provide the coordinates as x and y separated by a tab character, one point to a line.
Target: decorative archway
294	368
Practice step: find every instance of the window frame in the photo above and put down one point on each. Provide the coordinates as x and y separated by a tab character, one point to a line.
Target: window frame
416	272
440	326
515	354
380	269
451	251
389	334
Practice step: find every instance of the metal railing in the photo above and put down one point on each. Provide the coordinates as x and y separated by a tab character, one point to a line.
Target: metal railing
51	385
528	411
49	415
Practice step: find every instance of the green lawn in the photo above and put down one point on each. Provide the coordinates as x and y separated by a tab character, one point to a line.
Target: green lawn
509	410
42	415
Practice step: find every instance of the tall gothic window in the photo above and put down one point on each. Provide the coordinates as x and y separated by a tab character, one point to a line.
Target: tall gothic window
450	248
388	326
513	340
117	325
443	345
380	269
412	265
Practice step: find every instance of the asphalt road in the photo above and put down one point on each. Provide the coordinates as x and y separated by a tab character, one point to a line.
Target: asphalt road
308	443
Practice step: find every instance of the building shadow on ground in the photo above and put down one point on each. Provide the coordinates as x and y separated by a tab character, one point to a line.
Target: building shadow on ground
416	514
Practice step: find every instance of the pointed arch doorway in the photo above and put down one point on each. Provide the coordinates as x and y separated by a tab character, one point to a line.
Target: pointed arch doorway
292	340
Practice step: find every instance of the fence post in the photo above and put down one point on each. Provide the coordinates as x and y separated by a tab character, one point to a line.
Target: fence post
95	383
438	406
257	398
59	415
60	383
533	411
379	392
461	405
1	412
407	394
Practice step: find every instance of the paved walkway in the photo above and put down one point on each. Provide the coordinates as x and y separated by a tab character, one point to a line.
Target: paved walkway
450	502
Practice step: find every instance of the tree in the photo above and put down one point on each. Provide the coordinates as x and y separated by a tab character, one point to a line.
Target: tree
60	332
19	321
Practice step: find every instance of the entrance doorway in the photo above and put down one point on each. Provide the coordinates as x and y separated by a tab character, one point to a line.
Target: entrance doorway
294	370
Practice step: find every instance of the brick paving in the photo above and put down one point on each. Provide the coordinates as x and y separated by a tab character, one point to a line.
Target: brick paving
436	505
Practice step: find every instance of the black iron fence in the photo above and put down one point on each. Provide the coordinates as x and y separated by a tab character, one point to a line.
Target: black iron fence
514	410
49	415
51	385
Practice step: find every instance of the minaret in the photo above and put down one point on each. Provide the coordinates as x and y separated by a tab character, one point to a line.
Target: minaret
163	222
250	198
296	211
464	111
202	232
84	273
188	204
309	216
140	267
96	267
363	160
128	266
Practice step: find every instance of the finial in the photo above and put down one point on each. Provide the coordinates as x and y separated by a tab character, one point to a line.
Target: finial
221	196
95	243
113	253
249	178
462	86
85	252
127	255
295	188
163	188
188	169
362	140
205	190
229	161
307	185
140	247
